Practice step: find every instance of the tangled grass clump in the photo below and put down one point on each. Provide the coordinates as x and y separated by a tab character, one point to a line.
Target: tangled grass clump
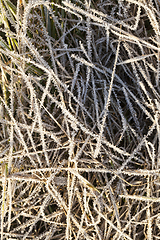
79	119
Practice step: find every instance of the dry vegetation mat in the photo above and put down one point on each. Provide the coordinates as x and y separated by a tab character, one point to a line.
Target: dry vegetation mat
79	119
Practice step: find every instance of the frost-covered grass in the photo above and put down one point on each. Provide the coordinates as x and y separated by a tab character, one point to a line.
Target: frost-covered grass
79	119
